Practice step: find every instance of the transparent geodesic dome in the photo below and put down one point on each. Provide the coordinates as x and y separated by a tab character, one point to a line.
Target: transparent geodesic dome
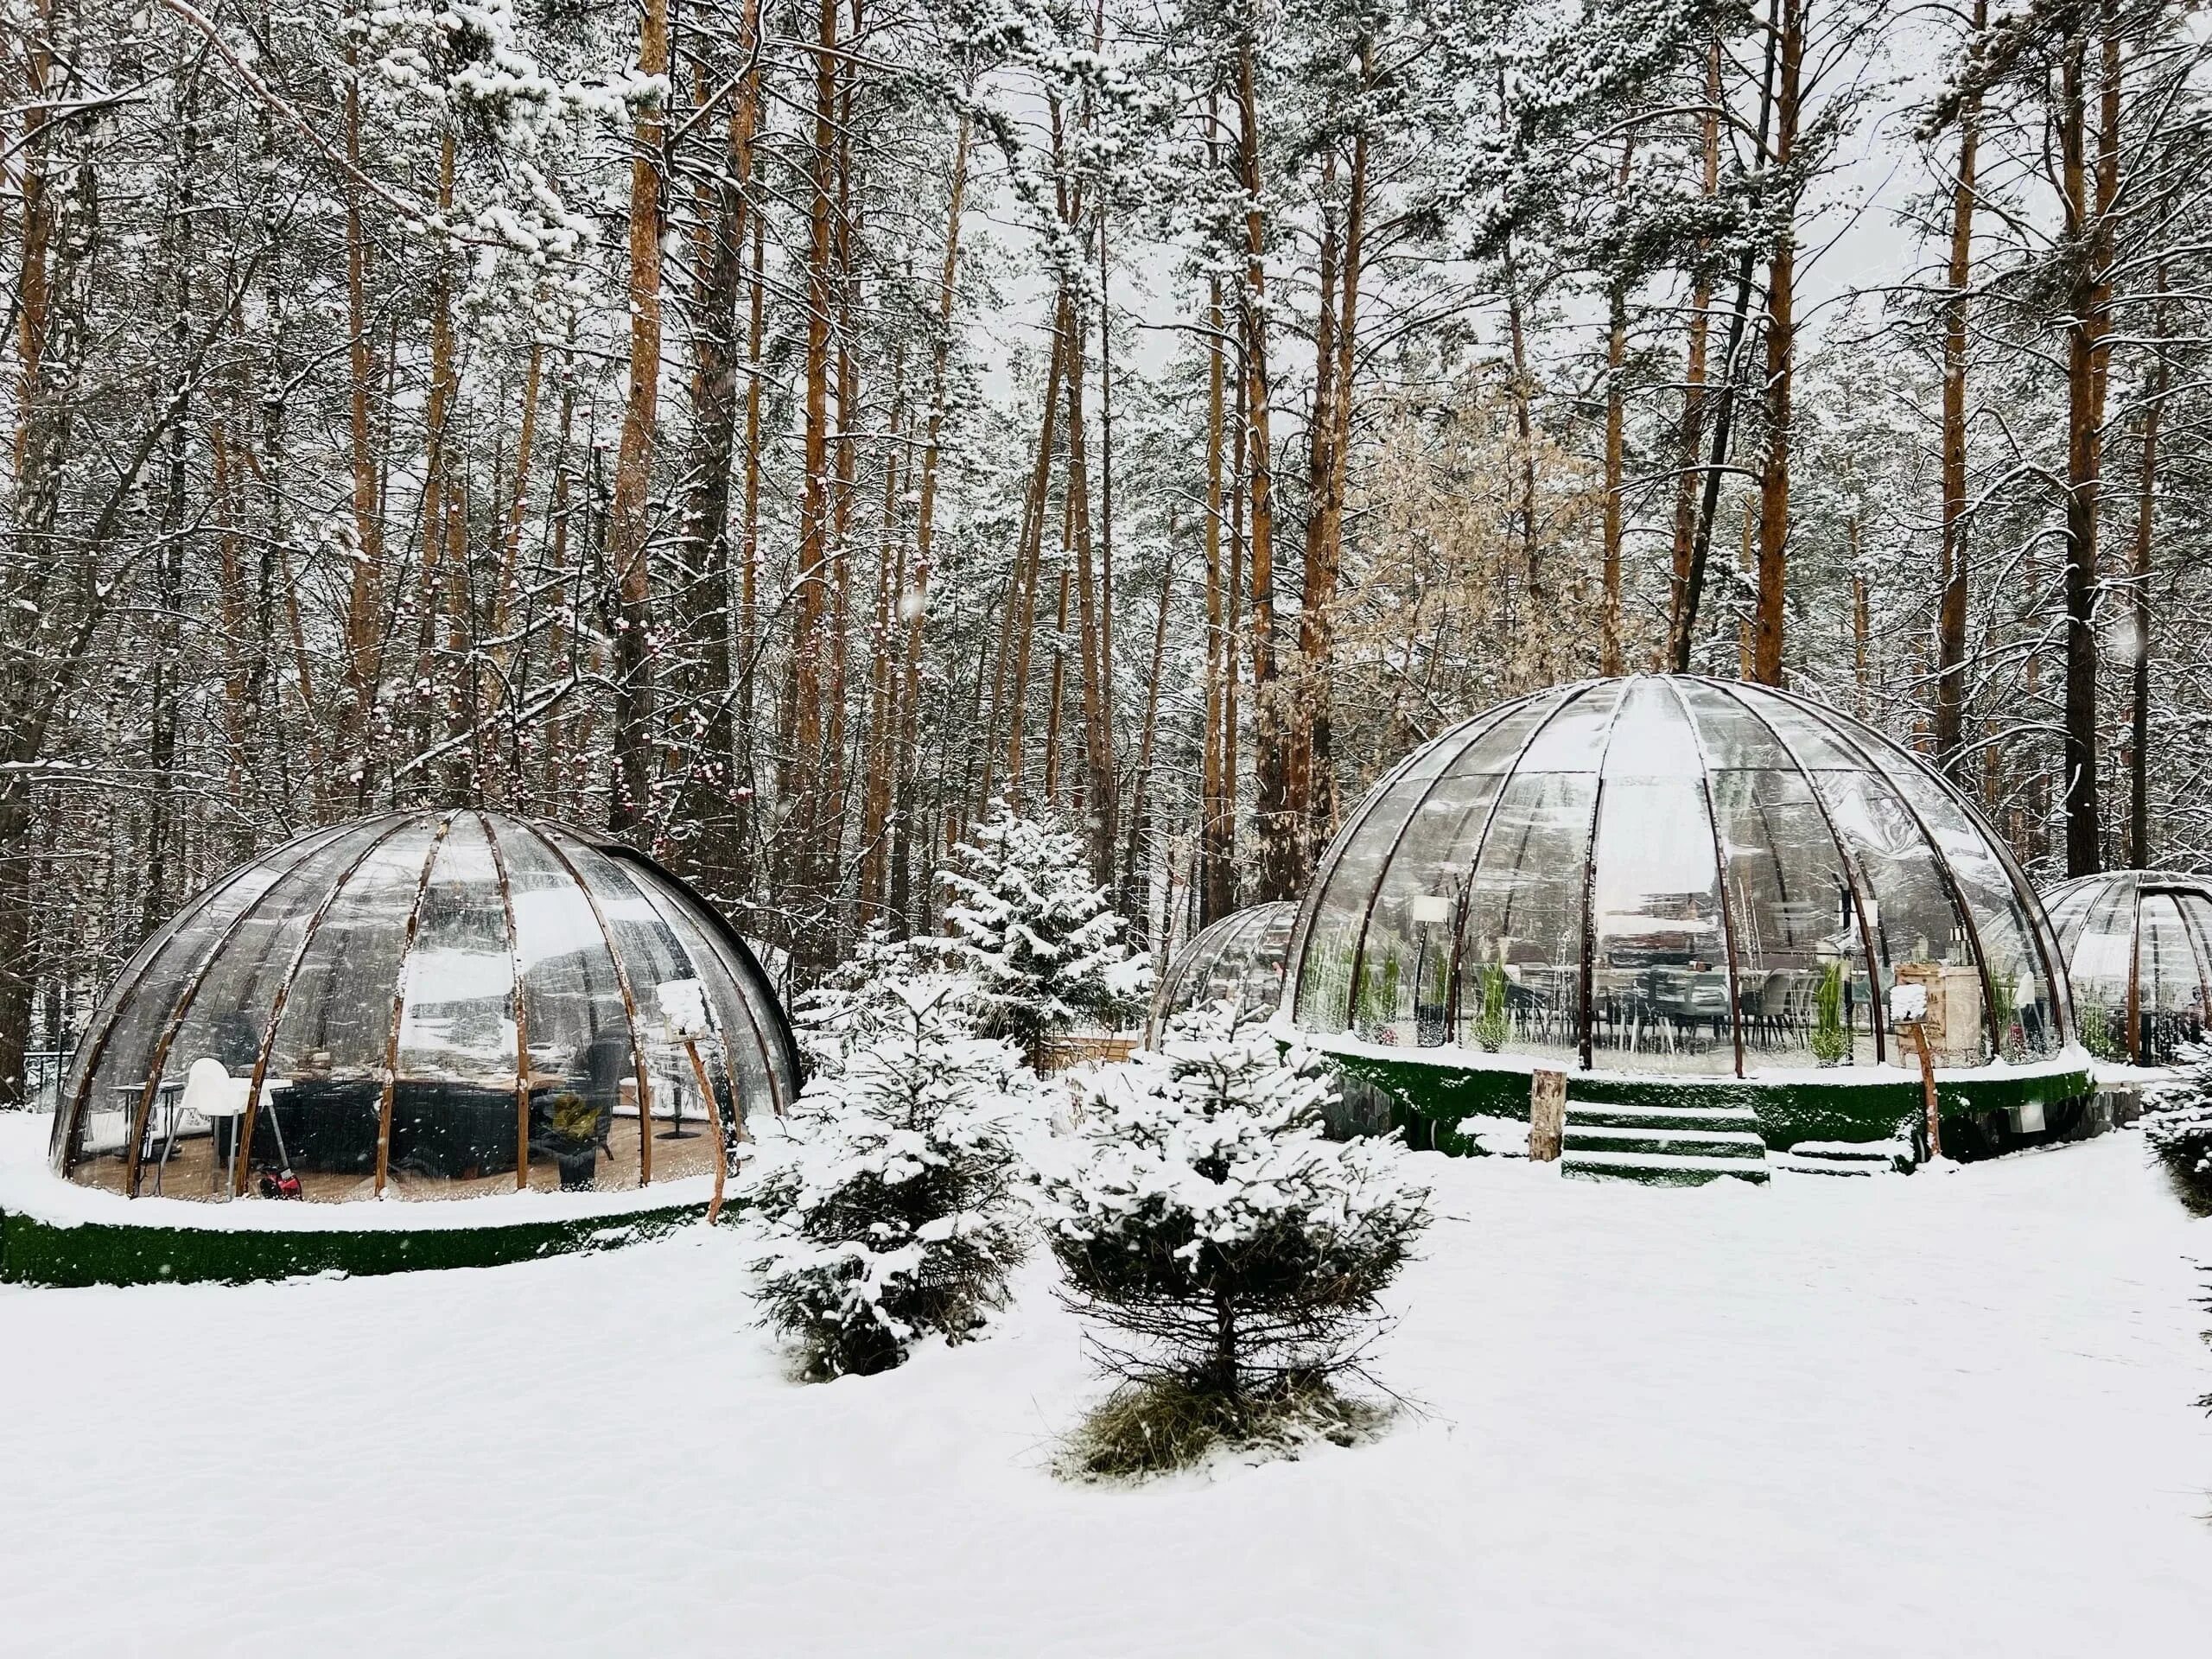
425	1004
1670	874
1236	958
2136	946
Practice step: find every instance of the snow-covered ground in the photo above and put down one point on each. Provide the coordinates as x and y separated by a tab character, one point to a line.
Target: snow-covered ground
1950	1414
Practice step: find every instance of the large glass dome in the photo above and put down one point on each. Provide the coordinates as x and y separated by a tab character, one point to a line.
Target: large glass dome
425	1004
1236	958
1670	874
2137	945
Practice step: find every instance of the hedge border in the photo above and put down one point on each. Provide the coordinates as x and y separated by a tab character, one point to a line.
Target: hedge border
35	1251
1432	1100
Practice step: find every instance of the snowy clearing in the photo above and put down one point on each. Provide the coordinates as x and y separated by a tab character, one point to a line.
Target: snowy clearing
1948	1414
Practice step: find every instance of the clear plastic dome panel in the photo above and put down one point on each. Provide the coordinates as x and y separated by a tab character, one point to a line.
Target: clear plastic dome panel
1238	959
2136	946
1672	875
427	1005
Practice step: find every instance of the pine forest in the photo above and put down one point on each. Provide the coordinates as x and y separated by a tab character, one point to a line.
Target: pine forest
772	433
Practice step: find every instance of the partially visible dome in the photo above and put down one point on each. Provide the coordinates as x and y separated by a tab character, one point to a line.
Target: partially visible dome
1236	958
429	1003
1670	874
2137	945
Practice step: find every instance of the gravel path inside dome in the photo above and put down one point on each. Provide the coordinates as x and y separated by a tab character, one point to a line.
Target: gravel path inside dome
1944	1414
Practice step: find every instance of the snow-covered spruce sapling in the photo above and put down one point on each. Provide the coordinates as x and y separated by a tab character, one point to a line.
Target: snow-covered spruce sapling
1229	1255
1037	935
894	1205
2178	1122
830	1017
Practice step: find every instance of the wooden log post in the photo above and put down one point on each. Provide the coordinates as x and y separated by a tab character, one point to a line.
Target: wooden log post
714	1117
1546	1116
1909	1008
1913	1029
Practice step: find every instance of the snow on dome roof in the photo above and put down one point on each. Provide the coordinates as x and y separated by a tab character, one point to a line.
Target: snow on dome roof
1237	957
429	1003
1546	882
2137	945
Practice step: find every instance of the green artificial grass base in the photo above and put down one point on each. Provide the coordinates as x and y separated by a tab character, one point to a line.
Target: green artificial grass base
35	1251
1430	1101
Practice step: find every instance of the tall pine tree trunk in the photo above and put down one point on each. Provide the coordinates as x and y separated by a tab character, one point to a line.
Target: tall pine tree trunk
914	601
1951	570
630	524
1278	835
1780	368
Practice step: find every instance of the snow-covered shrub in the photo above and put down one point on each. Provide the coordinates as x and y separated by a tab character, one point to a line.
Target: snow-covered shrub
1230	1253
1037	935
893	1207
2179	1124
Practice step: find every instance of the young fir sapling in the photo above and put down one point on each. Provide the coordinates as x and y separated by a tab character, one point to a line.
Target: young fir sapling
1229	1255
2179	1124
894	1208
1036	935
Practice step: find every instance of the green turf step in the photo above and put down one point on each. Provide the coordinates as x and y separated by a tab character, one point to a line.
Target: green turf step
1715	1143
1660	1169
1710	1118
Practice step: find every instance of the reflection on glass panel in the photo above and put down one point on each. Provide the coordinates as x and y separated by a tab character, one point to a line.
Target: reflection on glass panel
2102	967
453	1111
1263	975
1332	940
1649	736
582	1077
1919	935
1808	740
1521	961
665	982
1573	735
2197	916
322	1099
1800	964
1731	735
2027	1026
208	1070
1405	964
121	1048
2065	908
1211	974
1659	998
737	1078
2170	985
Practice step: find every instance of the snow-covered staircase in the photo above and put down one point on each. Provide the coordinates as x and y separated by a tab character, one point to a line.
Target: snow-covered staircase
1662	1145
1844	1158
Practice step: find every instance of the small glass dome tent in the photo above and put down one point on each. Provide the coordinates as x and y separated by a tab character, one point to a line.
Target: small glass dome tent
2136	946
1670	876
426	1004
1237	958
